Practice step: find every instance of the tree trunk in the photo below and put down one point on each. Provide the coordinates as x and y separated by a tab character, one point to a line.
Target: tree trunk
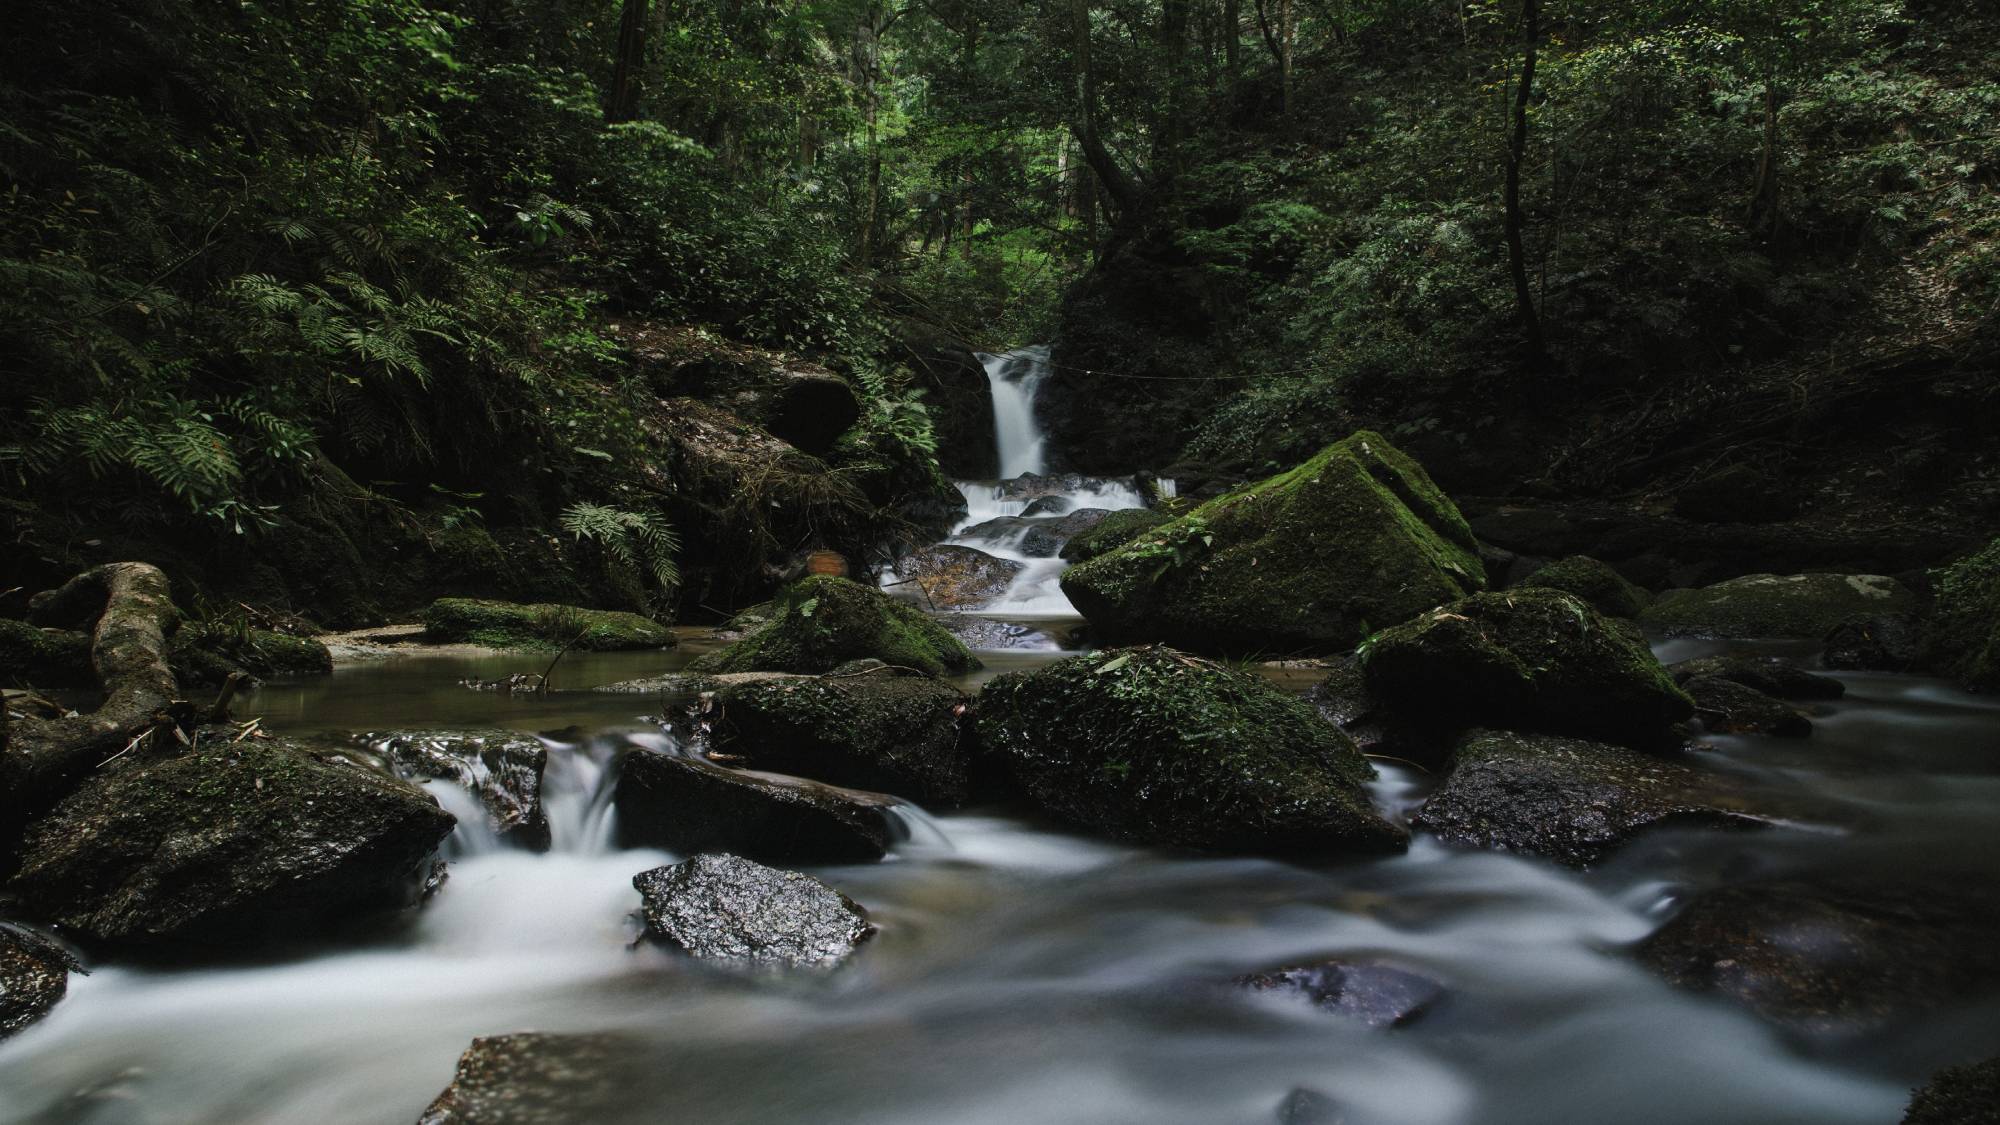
623	102
1517	148
1123	193
1232	28
1286	35
1764	199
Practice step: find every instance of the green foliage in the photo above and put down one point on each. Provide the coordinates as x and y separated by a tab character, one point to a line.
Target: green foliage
636	540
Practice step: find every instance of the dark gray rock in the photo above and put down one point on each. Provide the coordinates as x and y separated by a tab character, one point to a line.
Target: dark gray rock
536	1078
1377	994
874	730
686	805
724	907
1728	707
1047	506
1344	700
1046	538
34	975
1767	674
1569	800
951	577
501	768
1883	643
1593	581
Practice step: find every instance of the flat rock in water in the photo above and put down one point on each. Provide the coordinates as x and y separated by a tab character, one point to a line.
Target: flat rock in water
1728	707
227	843
948	576
1377	994
1832	959
34	975
503	769
688	805
1569	800
1767	674
1773	605
724	907
535	1078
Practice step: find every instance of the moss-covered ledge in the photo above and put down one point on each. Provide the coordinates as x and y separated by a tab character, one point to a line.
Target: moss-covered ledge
509	625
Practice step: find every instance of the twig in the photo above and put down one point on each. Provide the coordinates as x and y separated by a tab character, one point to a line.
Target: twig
219	710
543	687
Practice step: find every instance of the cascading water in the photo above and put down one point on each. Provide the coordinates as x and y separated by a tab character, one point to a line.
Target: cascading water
1014	379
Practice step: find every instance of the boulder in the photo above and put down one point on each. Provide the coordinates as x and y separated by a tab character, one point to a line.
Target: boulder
1375	993
1767	674
1306	561
724	907
1047	537
508	625
1773	605
537	1078
1110	533
1569	800
1595	582
688	805
1343	699
823	622
1962	637
1154	745
1890	642
948	576
503	769
1729	707
1532	659
1048	506
1834	958
32	656
896	734
209	654
1959	1095
34	975
225	843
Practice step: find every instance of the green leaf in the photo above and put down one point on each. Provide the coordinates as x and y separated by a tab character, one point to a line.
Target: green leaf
1114	664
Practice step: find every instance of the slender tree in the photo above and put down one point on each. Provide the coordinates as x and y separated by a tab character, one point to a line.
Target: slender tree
623	102
1517	148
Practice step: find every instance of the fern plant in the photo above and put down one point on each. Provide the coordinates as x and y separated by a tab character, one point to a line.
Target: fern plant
642	541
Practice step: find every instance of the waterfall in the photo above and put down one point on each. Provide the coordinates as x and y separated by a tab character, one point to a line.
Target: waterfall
1014	378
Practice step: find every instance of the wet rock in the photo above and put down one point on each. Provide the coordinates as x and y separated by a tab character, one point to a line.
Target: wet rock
1962	637
1729	707
1533	659
1304	1106
876	730
1110	533
501	768
949	577
1304	562
226	843
1343	699
686	805
1032	486
984	634
823	622
1888	643
1047	538
508	625
1773	605
34	975
1047	506
1959	1095
1767	674
1153	745
1377	994
208	655
1595	582
724	907
1833	958
536	1078
1569	800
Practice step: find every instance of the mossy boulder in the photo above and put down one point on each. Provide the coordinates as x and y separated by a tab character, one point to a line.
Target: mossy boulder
1153	745
823	622
208	654
896	734
226	843
1306	561
1530	659
1729	707
1594	582
1959	1095
690	805
1768	674
1111	533
38	657
1776	605
1962	639
511	625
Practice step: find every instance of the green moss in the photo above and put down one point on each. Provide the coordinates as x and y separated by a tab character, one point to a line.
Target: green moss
1594	582
1775	605
823	622
1540	659
1962	638
508	625
207	654
1960	1095
1154	745
44	657
1306	561
1111	533
895	734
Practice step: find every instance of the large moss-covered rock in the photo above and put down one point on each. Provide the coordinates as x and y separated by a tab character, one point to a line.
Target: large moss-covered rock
209	654
691	805
1306	561
897	734
1594	582
226	843
509	625
1776	605
1959	1095
1962	639
1529	658
1567	799
727	908
1111	533
823	622
1154	745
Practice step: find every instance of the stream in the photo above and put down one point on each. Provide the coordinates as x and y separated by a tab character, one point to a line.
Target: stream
1025	973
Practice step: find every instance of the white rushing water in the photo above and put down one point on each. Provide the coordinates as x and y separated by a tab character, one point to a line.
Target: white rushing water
1015	377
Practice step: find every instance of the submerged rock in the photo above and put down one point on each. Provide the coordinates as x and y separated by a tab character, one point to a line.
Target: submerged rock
1377	994
537	1078
686	805
1729	707
1595	582
1306	561
724	907
1536	659
1767	674
34	975
1569	800
821	623
950	577
1110	533
1153	745
1959	1095
227	843
897	734
1828	958
508	625
501	768
1962	637
1773	605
